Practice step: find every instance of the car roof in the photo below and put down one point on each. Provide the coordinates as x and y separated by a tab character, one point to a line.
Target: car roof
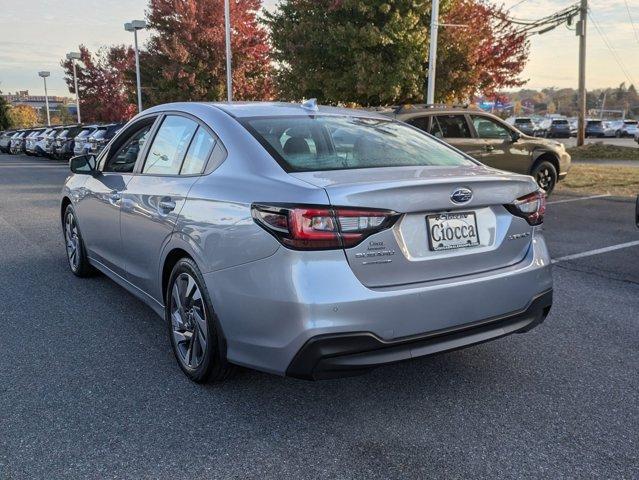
264	109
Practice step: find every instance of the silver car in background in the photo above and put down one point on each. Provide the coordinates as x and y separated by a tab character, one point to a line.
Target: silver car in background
306	241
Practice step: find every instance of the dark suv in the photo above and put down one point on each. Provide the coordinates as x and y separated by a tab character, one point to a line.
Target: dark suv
64	142
103	135
491	141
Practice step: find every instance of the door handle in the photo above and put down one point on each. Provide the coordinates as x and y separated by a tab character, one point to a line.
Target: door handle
489	148
115	196
167	205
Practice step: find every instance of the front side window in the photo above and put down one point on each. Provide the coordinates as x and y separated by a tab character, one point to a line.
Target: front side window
487	128
312	143
127	155
169	146
450	126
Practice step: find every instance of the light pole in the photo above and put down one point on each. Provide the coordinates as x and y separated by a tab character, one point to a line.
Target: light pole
44	76
134	26
73	56
229	73
432	52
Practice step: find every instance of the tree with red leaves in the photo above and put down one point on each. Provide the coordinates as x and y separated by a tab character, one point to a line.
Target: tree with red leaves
105	95
185	56
481	52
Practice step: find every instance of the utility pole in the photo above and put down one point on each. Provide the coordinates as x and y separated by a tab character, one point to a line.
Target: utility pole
581	33
73	56
227	29
432	53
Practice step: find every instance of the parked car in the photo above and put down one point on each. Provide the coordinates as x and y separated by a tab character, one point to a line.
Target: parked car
524	124
5	140
491	141
41	142
49	141
17	142
80	146
30	141
101	136
64	142
626	128
594	128
556	128
609	129
263	242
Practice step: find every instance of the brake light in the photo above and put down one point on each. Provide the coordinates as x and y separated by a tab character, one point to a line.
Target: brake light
532	207
321	228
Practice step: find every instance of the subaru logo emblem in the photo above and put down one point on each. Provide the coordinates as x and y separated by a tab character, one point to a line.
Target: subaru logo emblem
461	195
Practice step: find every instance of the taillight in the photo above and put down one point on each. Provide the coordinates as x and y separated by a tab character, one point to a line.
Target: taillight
321	228
531	207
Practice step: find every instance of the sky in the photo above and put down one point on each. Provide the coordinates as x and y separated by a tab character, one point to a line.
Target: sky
36	34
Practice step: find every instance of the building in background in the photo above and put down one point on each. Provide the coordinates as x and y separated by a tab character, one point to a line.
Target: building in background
59	106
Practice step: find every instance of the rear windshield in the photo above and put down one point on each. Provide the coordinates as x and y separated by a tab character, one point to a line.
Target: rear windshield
594	122
312	143
560	122
630	122
523	121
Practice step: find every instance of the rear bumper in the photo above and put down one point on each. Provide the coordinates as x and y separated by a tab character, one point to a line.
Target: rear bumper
269	309
333	356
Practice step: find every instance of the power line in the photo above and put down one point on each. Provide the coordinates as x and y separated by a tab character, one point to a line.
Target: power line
615	55
632	22
517	4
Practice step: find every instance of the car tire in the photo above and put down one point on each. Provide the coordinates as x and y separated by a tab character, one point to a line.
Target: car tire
193	327
74	245
545	174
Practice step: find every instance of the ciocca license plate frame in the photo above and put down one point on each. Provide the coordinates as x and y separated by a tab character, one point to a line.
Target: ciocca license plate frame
452	231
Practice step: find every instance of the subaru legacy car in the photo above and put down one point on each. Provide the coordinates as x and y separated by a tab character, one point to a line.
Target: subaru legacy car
306	241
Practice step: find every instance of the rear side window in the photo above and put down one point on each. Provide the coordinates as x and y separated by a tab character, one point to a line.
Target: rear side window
198	153
450	126
169	146
332	142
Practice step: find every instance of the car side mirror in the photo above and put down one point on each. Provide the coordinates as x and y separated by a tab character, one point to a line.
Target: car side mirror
83	164
514	136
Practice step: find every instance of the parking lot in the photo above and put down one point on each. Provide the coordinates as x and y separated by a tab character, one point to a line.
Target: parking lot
90	387
621	142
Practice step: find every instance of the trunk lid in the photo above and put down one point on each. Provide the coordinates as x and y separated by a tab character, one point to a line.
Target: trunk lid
403	254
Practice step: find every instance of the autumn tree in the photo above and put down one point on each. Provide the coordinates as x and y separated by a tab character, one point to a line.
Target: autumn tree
105	94
23	116
5	120
185	56
375	51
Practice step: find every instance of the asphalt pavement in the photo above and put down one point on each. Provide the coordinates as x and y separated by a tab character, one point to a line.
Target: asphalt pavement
89	387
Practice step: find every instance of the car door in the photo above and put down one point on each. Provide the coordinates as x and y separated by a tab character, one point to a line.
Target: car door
99	209
453	129
157	192
503	149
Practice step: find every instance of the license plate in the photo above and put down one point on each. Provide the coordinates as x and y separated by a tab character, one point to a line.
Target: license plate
451	230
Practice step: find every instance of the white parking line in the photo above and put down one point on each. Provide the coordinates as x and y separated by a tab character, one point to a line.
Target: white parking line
596	252
577	199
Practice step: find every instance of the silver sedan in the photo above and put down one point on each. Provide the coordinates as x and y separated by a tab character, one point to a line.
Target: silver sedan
306	241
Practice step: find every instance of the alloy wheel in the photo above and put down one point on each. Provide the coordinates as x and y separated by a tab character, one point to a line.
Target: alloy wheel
188	321
545	179
72	237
